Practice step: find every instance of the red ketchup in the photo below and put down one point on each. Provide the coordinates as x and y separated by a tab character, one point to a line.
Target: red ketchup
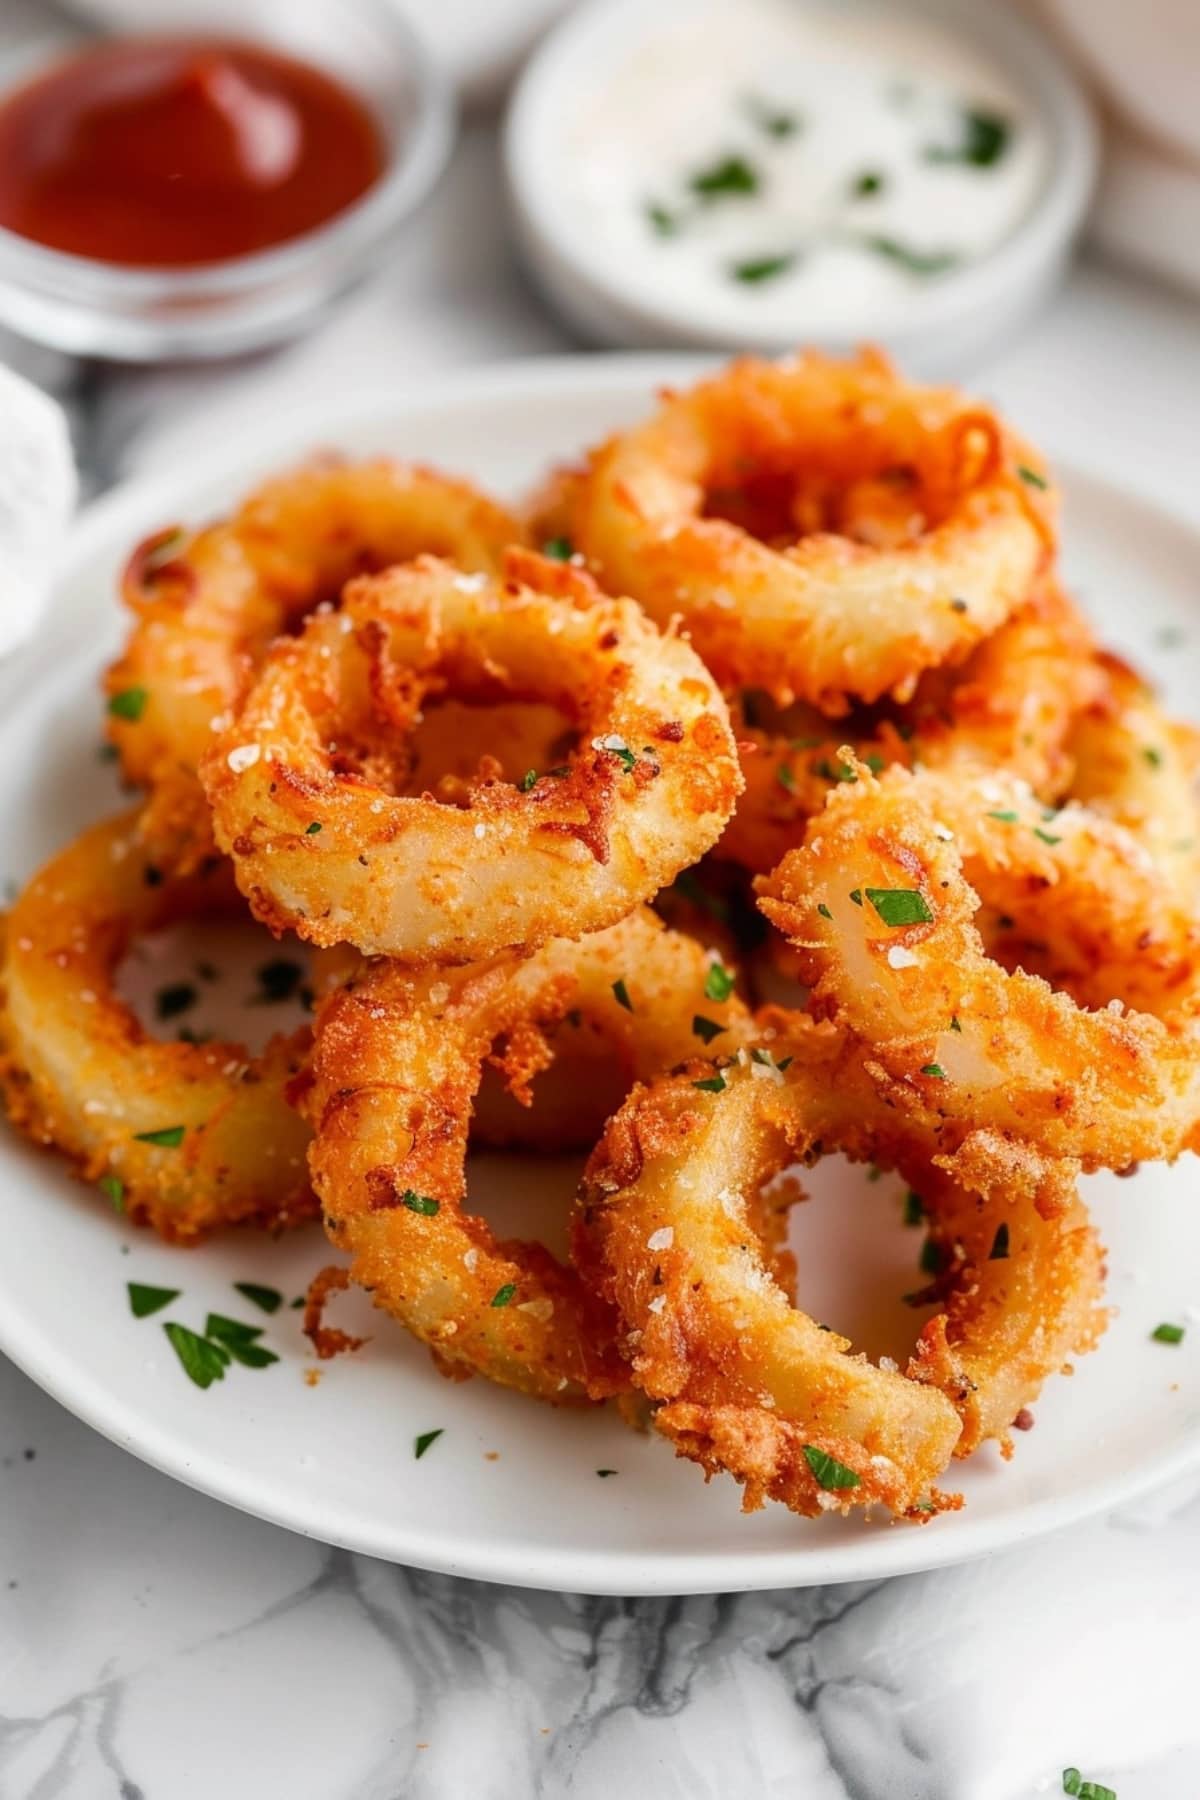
168	152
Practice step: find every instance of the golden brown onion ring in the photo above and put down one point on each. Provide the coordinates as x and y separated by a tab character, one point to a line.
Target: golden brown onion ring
303	782
396	1066
185	1137
825	530
665	1231
1021	1281
1010	707
877	902
1141	769
208	603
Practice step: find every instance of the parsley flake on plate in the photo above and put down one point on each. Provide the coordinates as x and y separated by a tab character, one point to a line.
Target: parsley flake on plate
268	1298
203	1362
145	1300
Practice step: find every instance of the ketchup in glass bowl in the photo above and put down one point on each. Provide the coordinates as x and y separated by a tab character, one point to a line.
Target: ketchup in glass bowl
209	192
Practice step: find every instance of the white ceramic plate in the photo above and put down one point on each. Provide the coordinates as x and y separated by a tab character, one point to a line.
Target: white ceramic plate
510	1490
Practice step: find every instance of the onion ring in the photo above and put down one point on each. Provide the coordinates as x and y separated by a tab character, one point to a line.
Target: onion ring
185	1137
739	1380
1138	767
1010	707
303	781
208	603
397	1061
1021	1280
824	529
877	903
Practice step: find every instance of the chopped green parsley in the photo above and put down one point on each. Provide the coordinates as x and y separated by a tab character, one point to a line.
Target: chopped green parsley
113	1189
168	1138
174	999
419	1203
729	175
756	269
829	1472
718	982
983	140
268	1298
900	906
145	1300
129	704
203	1362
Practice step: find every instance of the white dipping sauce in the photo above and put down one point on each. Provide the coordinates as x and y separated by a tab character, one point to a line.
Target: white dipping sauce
771	162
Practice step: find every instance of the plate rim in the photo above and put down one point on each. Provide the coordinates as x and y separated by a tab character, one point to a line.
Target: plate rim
879	1554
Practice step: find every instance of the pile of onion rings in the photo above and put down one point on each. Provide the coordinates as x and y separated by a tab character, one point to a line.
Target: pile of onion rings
792	691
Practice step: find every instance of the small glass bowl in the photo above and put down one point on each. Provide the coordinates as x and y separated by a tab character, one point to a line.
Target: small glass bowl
92	308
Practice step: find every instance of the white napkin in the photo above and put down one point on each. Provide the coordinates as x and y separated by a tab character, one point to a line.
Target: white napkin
38	489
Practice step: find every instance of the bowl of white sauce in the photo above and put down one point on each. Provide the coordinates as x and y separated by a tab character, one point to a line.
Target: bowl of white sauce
758	173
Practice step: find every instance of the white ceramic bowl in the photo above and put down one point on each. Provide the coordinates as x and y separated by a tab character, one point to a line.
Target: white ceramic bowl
962	314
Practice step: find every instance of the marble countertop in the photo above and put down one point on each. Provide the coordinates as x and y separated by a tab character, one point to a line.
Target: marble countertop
157	1646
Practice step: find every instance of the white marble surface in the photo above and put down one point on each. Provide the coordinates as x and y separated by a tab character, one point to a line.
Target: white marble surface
156	1646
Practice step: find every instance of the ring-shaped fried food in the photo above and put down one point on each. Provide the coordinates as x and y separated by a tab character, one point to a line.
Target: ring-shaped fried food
738	1378
208	603
1010	707
877	903
1020	1278
1070	895
825	530
303	782
396	1066
1138	767
185	1137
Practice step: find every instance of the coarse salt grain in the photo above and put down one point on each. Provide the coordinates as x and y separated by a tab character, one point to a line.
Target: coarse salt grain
542	1308
662	1239
899	957
244	757
471	1259
657	1304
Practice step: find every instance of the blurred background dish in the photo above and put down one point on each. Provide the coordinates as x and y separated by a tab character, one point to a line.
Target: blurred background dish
1143	62
761	173
253	125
